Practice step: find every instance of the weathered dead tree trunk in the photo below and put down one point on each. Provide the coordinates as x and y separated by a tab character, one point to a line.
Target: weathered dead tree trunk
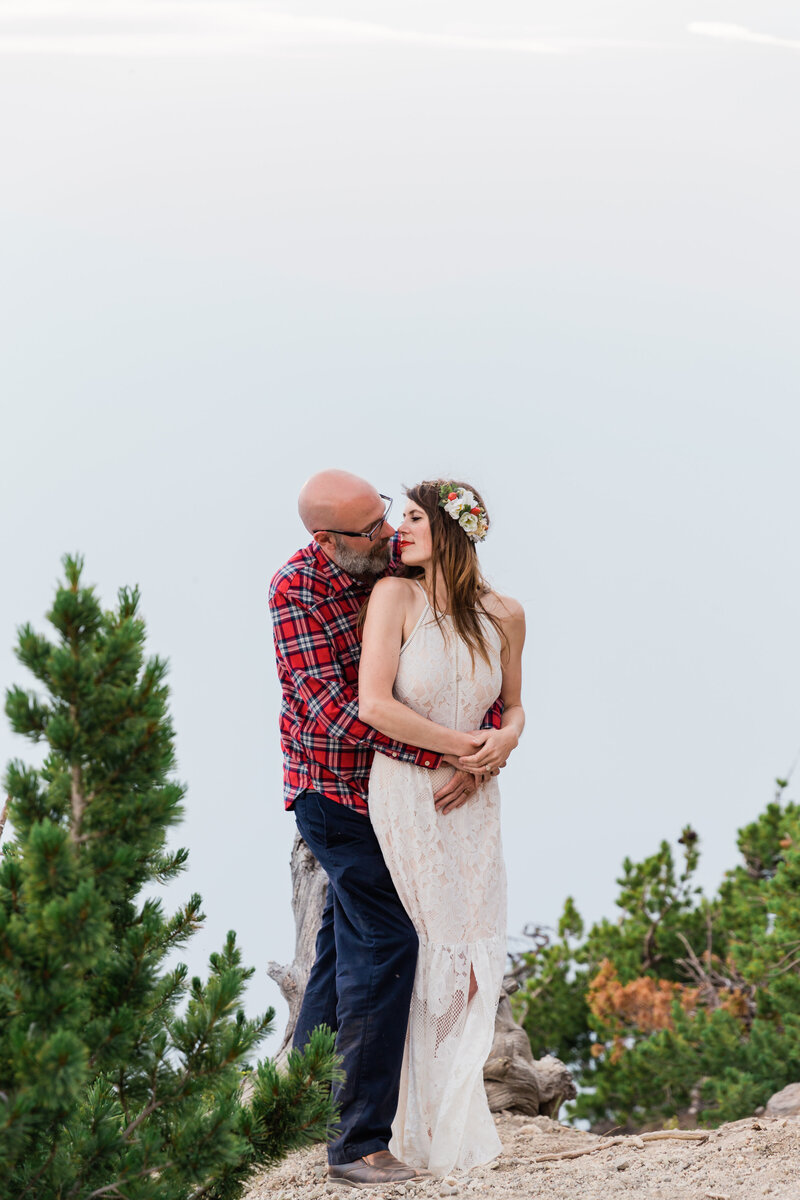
513	1079
309	888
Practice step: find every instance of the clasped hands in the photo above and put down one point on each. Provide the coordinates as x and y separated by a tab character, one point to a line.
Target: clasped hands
491	750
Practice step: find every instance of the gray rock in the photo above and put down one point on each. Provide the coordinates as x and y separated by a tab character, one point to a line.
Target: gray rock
785	1103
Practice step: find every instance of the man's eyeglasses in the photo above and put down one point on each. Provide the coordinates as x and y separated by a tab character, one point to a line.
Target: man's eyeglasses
373	529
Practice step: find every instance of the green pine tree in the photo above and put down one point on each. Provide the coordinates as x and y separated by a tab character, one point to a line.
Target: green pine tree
120	1077
686	1006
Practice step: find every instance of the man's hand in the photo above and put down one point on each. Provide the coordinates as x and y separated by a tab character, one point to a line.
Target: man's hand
493	753
458	790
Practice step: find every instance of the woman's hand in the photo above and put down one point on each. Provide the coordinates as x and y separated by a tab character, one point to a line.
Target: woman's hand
495	747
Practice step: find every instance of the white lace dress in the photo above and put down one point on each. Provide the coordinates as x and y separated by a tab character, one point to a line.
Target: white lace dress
449	873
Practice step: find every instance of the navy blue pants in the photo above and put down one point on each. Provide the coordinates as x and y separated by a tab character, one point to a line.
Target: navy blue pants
363	974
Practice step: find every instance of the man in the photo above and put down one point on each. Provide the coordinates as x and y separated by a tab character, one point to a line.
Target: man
363	975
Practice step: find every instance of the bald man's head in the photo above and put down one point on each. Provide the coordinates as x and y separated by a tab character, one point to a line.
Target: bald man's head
336	500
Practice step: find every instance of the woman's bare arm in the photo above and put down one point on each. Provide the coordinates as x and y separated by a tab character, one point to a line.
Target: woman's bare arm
497	744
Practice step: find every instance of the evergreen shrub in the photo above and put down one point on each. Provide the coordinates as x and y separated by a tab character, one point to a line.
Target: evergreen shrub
686	1008
119	1076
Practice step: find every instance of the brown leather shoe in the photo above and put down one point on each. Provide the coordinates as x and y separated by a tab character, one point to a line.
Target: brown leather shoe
370	1171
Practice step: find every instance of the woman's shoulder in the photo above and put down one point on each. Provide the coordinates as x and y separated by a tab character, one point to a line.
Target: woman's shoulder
393	590
504	608
394	584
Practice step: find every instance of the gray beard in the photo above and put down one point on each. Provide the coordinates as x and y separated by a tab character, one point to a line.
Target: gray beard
372	562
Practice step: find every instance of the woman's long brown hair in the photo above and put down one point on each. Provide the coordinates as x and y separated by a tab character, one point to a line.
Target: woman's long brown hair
455	559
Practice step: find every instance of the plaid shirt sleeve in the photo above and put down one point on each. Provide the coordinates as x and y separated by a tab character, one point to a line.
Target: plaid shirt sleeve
308	657
494	716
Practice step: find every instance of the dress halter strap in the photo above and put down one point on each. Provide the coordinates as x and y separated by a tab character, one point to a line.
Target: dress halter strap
421	617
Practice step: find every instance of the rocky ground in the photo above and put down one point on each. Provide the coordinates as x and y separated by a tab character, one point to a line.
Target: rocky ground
741	1161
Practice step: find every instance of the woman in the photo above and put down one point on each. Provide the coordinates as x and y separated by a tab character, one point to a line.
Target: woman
438	648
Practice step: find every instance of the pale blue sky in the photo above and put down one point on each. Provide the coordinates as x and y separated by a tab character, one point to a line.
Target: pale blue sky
549	249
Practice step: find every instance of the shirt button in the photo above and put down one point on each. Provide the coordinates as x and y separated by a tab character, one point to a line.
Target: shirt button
394	754
427	762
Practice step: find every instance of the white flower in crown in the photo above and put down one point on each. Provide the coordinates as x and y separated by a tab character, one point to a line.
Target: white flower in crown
457	500
460	504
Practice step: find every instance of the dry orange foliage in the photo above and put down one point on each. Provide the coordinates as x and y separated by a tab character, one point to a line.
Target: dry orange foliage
738	1003
644	1003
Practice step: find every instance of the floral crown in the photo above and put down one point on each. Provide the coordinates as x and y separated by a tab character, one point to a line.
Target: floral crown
460	504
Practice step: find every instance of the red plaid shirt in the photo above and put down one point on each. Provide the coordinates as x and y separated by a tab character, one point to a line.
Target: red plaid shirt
315	606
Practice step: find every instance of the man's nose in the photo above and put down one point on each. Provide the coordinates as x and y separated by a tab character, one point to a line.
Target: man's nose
387	530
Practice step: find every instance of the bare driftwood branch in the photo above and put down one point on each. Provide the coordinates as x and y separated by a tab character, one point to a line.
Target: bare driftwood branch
634	1141
564	1154
675	1135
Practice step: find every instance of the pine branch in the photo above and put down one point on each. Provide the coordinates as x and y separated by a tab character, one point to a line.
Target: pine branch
136	752
115	1186
121	1096
784	970
713	982
203	1191
651	959
795	946
144	1114
41	1170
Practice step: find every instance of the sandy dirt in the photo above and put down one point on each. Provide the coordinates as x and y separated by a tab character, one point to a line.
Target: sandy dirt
741	1161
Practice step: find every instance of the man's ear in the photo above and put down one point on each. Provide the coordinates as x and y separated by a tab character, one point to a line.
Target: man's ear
324	540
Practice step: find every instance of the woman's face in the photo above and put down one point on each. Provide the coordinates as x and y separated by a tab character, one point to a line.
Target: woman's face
416	541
